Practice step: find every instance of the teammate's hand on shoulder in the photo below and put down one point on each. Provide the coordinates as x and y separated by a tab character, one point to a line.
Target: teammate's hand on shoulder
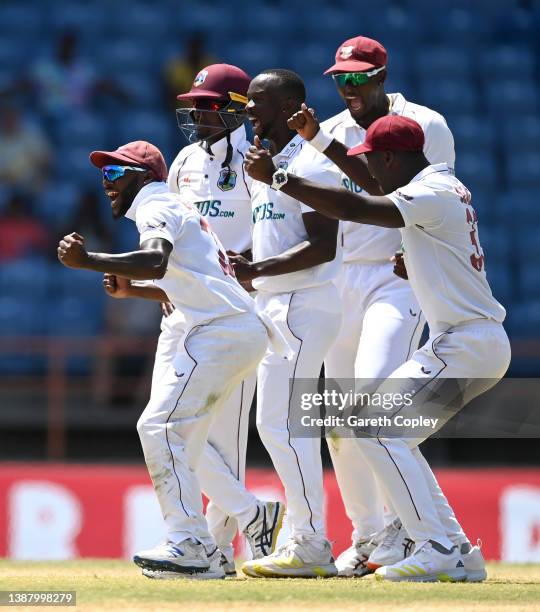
71	251
304	122
258	163
399	266
116	286
166	309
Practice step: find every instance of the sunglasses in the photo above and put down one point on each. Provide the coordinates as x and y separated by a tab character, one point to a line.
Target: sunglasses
113	173
355	78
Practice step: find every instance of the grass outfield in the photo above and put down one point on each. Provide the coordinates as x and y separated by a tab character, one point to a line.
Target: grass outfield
114	585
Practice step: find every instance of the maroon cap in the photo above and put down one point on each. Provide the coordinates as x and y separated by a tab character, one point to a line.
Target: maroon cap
216	81
391	133
138	153
358	55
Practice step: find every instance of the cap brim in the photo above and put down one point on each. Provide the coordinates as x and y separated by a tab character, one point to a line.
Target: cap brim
203	93
350	66
358	150
103	158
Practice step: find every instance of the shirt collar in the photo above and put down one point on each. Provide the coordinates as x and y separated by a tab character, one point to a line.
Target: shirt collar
219	148
430	170
289	150
147	191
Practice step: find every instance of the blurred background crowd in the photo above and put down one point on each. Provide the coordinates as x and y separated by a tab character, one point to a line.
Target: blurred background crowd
78	75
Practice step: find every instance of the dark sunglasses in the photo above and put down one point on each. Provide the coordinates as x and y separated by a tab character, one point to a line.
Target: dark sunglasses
113	173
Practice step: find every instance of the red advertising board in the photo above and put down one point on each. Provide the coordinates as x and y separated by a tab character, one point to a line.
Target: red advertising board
57	511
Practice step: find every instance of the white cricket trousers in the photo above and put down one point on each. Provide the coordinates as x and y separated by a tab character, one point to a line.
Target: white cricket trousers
479	350
309	319
222	470
211	360
381	328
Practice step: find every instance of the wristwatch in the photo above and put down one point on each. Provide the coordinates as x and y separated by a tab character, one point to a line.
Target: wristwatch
279	178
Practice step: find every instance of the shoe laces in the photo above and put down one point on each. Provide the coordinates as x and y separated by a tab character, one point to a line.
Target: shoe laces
391	535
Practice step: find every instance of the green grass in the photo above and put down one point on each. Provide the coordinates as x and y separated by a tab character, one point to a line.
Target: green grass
114	585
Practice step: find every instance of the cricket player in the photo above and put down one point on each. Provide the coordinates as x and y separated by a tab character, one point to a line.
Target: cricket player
295	258
209	175
222	344
382	321
445	264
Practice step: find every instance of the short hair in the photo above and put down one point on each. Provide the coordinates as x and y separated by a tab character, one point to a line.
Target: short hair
289	82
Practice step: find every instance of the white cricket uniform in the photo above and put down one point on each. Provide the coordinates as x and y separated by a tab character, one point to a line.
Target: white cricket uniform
445	264
222	342
198	177
305	306
382	321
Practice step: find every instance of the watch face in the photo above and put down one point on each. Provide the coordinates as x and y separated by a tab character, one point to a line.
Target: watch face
280	178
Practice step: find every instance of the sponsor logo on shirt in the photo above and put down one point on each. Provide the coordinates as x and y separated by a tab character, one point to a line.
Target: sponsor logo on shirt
211	208
265	212
158	226
227	179
400	194
350	185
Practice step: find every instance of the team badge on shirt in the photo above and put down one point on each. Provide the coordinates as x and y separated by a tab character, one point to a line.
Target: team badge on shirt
227	179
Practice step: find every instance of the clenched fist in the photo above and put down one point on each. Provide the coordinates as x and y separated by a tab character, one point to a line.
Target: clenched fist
71	251
304	122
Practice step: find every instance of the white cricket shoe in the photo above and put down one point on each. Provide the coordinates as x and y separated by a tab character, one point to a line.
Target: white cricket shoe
430	562
215	572
188	557
394	545
352	561
474	562
262	533
300	557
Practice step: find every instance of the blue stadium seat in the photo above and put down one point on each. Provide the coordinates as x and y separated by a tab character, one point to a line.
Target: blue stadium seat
72	163
496	242
20	317
311	60
464	23
82	130
86	18
512	97
530	281
527	239
13	53
523	319
22	278
473	133
520	206
144	90
121	55
154	127
442	62
522	138
449	95
512	61
57	202
74	316
253	55
16	18
500	280
82	284
485	203
477	171
523	169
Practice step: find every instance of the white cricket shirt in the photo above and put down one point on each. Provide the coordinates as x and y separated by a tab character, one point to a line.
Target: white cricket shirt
197	281
443	256
365	243
223	199
277	219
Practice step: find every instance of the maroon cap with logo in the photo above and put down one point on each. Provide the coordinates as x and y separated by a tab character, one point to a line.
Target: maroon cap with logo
391	133
216	81
138	153
358	55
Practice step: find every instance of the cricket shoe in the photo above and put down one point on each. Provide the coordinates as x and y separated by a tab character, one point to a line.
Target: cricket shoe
394	545
474	562
300	557
228	565
352	562
187	557
430	562
262	533
215	571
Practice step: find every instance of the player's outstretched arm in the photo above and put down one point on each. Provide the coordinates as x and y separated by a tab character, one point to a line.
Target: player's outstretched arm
306	124
148	263
119	287
331	202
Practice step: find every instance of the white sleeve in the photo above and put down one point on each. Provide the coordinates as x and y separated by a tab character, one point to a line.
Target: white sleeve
418	205
439	144
172	179
319	170
155	219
